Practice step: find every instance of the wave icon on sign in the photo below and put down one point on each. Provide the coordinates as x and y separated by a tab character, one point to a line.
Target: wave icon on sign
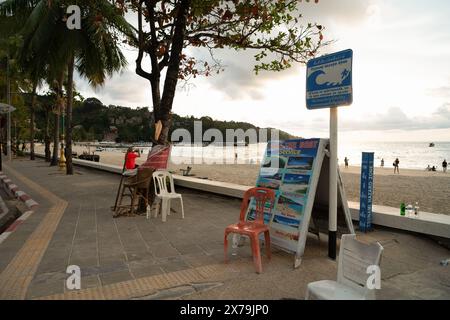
331	77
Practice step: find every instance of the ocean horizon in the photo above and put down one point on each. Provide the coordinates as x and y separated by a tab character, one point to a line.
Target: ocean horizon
412	155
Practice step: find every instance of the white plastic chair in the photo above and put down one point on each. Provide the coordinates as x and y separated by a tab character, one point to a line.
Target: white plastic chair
351	284
160	182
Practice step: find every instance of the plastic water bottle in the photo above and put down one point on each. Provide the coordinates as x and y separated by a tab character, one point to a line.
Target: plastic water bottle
409	210
235	244
416	209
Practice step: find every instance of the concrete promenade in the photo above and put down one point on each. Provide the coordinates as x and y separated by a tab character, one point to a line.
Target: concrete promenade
136	258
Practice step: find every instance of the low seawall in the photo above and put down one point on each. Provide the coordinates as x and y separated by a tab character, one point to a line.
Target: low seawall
426	223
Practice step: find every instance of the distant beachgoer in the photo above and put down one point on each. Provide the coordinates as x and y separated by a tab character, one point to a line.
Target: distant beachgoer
382	163
433	168
346	162
428	168
130	160
396	167
444	165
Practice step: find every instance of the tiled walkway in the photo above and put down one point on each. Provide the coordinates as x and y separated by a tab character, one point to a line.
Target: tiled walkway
132	257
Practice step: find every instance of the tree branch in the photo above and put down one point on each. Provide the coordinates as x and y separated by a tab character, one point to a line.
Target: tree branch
139	69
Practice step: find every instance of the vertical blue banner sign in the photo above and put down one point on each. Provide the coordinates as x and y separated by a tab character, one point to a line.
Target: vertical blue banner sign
365	205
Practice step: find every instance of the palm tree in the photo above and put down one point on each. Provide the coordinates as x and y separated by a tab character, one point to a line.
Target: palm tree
35	74
10	44
92	50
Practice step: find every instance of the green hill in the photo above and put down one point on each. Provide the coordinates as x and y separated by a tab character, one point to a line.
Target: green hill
95	121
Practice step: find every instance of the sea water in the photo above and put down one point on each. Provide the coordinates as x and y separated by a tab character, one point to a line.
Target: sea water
412	155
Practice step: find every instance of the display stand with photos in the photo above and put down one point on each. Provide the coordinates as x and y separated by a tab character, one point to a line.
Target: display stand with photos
298	171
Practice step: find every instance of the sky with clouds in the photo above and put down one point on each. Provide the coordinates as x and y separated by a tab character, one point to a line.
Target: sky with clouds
401	77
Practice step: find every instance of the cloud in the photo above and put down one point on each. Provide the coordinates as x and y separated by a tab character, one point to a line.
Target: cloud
125	88
238	80
342	12
393	119
396	118
440	92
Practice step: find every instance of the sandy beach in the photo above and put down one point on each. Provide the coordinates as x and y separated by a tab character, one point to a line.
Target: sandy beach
430	189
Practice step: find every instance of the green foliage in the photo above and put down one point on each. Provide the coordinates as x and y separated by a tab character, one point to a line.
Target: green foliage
180	122
92	120
275	29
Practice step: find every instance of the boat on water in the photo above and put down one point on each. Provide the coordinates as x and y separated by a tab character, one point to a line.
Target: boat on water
431	144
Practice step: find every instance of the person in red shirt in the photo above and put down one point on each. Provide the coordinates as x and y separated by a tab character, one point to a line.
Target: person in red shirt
130	162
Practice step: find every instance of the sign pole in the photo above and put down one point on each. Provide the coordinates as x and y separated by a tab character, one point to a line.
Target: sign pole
329	85
332	210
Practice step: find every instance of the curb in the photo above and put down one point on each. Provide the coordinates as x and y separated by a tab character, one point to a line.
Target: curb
13	227
13	190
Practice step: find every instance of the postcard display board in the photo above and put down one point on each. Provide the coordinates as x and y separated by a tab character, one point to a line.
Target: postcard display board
295	169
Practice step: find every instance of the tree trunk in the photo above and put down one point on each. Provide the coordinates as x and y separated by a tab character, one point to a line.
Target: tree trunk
69	165
59	103
47	136
54	161
32	121
173	69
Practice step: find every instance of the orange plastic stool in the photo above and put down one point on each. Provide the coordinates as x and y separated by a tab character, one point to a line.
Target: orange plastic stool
254	228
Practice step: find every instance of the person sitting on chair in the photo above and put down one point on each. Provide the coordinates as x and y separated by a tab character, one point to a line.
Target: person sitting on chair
130	161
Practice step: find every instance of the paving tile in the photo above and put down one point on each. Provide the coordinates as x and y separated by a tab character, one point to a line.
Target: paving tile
90	282
198	259
112	266
114	277
147	271
36	290
84	262
142	263
163	250
52	265
133	255
187	248
174	266
50	277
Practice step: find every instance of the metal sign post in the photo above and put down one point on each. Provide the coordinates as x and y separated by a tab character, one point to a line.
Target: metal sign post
332	209
329	85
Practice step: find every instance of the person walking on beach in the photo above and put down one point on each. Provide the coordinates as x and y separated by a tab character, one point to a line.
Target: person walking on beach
382	162
346	162
444	166
396	163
